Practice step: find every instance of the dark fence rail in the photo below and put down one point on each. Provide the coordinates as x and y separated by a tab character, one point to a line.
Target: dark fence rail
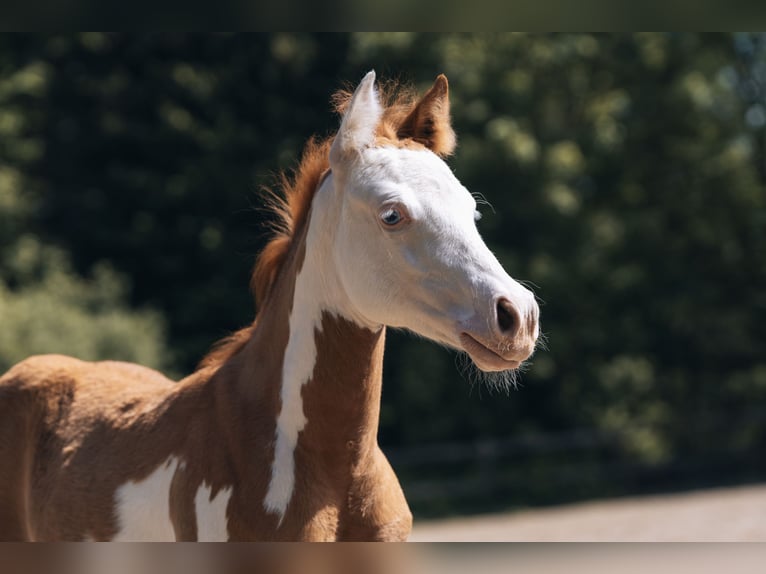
551	468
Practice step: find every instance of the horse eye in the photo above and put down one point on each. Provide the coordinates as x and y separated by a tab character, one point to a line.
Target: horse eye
391	216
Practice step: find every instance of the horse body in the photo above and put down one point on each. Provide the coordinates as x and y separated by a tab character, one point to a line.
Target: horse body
274	436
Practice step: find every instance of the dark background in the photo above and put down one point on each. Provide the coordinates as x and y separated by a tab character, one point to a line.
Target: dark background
627	177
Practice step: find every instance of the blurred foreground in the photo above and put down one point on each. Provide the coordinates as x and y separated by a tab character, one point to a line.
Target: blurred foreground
380	559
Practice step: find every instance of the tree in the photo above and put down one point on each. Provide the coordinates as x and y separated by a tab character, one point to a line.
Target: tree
45	307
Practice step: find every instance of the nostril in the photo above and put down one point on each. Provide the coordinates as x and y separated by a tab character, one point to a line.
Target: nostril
507	318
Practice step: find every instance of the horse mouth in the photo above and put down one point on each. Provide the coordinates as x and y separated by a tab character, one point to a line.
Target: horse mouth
484	357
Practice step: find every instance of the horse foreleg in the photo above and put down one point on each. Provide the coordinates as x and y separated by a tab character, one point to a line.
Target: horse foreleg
377	508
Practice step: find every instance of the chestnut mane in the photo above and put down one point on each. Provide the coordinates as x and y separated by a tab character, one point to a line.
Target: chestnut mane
291	200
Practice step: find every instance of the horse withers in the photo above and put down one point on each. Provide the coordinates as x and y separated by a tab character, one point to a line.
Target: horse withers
274	436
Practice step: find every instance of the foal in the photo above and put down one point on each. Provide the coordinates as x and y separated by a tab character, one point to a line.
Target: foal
274	437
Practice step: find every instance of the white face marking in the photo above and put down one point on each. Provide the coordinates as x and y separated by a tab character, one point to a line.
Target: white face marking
434	270
143	508
211	514
408	253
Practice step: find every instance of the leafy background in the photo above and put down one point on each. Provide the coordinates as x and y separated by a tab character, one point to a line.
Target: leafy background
627	177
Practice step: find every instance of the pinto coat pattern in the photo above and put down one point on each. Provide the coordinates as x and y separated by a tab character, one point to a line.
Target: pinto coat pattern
274	436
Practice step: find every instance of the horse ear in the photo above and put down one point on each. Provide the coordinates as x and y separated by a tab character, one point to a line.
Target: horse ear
429	122
357	130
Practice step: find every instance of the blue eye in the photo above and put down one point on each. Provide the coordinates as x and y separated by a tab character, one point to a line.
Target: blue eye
391	216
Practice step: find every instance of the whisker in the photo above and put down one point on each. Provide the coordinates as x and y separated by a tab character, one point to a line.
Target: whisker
542	341
481	200
528	283
499	381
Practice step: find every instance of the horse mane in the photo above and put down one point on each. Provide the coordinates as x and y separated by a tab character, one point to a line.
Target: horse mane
290	201
290	209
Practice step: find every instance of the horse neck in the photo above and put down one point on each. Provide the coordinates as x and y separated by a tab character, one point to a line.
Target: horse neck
315	373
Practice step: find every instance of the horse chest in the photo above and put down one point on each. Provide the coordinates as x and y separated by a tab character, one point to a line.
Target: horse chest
165	507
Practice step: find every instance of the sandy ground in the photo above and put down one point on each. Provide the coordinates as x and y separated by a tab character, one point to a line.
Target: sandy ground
726	514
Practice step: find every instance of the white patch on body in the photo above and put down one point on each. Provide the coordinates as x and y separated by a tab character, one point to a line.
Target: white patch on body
317	291
297	368
143	508
211	514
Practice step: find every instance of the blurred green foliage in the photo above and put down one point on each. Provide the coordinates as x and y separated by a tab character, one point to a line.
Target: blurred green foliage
54	310
626	176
